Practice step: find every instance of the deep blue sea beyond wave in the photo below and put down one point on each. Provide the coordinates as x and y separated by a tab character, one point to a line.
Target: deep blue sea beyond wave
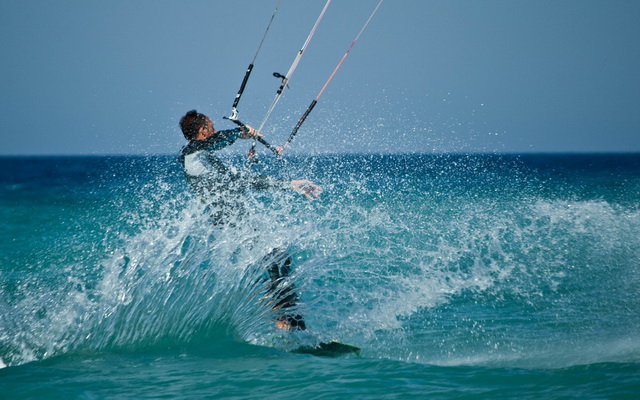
459	276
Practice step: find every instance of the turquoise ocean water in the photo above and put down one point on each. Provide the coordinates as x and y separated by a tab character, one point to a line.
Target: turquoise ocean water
459	276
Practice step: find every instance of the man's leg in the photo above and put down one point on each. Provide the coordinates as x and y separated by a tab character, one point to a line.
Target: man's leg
279	267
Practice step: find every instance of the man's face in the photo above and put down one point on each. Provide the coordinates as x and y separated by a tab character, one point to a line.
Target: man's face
207	130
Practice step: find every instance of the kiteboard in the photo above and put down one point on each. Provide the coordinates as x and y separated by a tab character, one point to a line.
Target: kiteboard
333	348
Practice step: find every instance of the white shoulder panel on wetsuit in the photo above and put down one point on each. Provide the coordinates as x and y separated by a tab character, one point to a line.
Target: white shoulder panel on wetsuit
193	165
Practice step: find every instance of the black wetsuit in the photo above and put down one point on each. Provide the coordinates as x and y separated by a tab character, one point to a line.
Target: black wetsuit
223	188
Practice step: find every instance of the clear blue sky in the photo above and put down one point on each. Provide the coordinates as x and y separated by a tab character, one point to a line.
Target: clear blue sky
114	77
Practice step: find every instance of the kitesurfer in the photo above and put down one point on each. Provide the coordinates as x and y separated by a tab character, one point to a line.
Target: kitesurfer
223	188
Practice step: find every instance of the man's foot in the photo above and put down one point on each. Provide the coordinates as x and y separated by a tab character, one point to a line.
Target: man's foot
291	323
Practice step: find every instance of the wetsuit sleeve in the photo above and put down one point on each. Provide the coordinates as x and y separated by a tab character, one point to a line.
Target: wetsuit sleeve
221	139
261	182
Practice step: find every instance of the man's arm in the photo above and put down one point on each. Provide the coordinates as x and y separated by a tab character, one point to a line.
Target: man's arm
306	188
221	139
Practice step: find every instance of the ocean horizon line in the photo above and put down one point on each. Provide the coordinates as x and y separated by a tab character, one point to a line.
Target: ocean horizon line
401	154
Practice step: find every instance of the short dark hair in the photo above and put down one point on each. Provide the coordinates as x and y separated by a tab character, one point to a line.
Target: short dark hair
191	124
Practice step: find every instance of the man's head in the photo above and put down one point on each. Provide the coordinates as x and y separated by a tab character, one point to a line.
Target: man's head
194	125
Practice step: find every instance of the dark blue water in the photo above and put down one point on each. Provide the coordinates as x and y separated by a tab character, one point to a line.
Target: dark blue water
475	276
